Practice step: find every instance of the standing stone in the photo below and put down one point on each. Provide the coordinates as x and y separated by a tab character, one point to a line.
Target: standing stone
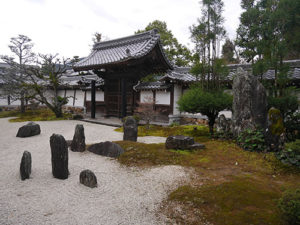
78	143
25	167
88	178
249	103
275	136
28	130
59	156
130	129
223	125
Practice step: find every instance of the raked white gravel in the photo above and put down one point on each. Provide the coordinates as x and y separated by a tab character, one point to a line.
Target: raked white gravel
123	196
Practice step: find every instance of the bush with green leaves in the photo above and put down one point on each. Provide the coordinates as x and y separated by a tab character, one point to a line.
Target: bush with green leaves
289	205
252	140
292	126
208	103
291	153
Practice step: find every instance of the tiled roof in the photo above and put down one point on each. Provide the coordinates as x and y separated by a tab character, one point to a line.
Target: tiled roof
120	50
72	78
152	86
179	74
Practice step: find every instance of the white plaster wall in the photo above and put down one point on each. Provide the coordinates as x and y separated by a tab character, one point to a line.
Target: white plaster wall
145	96
79	98
88	95
99	96
3	99
61	93
70	94
163	97
49	94
15	102
177	95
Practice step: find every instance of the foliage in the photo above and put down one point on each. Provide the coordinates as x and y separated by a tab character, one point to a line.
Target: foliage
15	78
207	103
176	52
48	76
289	206
292	126
276	120
291	153
33	115
228	52
287	104
252	140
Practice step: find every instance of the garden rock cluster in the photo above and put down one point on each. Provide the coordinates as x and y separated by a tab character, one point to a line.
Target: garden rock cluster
130	129
183	143
107	148
88	178
249	103
28	130
25	166
59	156
224	126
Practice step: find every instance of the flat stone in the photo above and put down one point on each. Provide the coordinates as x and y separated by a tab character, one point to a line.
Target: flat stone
28	130
196	146
107	148
179	142
25	166
88	178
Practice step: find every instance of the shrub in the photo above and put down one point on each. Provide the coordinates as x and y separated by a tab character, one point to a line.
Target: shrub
292	126
289	206
290	154
252	140
77	117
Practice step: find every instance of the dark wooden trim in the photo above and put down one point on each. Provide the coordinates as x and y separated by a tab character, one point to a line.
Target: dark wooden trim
93	99
74	97
172	99
124	98
65	93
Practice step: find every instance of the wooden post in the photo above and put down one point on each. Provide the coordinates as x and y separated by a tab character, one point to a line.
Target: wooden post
124	98
93	100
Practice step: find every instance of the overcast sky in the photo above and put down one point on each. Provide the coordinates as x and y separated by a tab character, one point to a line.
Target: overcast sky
66	26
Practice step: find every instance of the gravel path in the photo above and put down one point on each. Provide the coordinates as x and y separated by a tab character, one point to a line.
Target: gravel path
123	196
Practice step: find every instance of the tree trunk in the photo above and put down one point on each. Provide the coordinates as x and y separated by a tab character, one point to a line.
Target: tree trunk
211	122
22	107
58	112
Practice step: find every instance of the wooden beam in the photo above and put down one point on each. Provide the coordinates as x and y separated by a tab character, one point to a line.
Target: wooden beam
124	98
93	99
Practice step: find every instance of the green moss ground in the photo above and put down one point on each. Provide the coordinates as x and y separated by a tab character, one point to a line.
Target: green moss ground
230	186
32	115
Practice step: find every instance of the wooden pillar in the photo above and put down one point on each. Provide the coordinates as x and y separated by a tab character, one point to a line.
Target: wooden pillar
93	99
124	98
74	97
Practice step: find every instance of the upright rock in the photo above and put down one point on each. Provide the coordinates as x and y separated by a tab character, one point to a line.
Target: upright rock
275	136
224	126
25	167
130	129
88	178
59	156
249	103
78	142
107	148
28	130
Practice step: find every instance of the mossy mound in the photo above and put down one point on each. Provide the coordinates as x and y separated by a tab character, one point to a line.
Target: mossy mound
275	117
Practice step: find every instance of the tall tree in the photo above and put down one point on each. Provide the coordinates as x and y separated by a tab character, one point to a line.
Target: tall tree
15	77
228	52
206	36
176	52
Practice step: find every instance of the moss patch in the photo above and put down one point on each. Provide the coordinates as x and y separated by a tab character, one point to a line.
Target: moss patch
187	130
33	115
240	201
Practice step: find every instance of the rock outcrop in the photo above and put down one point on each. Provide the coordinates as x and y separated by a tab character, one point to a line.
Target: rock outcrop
78	142
183	143
249	103
25	167
107	148
130	129
88	178
28	130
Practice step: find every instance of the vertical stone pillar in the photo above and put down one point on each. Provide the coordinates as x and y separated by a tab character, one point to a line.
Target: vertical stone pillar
59	156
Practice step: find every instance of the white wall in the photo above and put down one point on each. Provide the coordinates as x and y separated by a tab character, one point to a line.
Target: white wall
146	96
99	96
177	95
61	93
70	95
79	98
163	98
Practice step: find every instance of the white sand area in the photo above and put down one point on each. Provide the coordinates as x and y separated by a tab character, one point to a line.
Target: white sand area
123	196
